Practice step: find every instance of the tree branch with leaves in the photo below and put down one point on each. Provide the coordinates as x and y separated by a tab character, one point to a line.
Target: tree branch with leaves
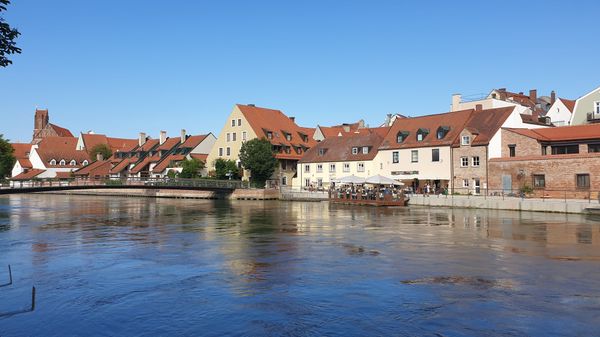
8	35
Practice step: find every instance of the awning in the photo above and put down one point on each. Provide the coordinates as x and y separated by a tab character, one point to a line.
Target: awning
381	180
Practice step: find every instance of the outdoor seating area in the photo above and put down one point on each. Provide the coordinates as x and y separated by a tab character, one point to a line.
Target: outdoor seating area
375	191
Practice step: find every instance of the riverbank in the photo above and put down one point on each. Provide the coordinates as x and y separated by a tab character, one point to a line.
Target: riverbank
238	194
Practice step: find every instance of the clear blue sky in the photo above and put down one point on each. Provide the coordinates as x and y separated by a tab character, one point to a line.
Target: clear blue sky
120	67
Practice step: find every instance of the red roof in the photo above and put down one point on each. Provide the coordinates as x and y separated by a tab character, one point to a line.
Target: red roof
60	131
337	130
21	153
454	122
59	148
168	144
485	124
200	156
97	168
263	120
63	175
570	104
124	164
28	175
166	162
121	144
335	149
193	141
562	133
145	162
148	145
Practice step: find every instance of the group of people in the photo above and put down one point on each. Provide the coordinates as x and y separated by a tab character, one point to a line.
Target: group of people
362	192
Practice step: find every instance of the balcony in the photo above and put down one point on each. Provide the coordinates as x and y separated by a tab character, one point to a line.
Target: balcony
593	117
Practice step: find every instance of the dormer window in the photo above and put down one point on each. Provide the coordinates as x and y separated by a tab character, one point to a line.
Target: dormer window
442	131
288	137
465	140
401	136
354	150
365	149
53	162
270	135
85	162
421	134
63	162
73	162
322	152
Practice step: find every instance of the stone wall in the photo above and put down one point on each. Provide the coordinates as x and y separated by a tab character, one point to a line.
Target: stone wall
470	172
525	146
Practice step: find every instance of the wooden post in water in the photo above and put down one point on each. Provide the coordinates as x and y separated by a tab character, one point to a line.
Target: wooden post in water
32	298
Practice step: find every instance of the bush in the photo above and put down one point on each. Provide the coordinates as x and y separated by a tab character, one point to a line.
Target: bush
224	167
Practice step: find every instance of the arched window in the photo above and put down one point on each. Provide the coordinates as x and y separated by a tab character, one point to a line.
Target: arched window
401	136
73	162
85	162
53	162
62	162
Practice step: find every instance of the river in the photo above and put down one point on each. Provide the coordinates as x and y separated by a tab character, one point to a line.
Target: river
108	266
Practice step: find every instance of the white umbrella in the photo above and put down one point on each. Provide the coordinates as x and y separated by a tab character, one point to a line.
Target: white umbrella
381	180
351	180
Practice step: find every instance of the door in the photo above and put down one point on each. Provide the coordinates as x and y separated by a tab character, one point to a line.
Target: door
506	183
477	186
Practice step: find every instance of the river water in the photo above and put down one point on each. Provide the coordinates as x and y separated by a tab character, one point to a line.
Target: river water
110	266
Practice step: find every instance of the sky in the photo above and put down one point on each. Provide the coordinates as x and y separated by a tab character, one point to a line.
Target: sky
123	67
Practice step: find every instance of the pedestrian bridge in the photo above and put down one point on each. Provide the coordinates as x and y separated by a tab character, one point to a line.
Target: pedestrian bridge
31	186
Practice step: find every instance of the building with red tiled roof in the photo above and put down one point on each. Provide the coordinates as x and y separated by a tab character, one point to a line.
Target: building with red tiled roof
289	140
346	129
551	161
21	153
339	156
43	128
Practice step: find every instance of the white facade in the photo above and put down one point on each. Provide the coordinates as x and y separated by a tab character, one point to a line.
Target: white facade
513	121
321	174
409	165
559	114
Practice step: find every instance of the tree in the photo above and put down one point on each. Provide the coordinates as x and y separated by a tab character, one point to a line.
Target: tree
191	168
224	167
257	156
7	158
102	149
8	36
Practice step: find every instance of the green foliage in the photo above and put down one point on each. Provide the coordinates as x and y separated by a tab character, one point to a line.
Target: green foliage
102	149
257	156
223	167
7	159
8	36
526	189
172	174
191	168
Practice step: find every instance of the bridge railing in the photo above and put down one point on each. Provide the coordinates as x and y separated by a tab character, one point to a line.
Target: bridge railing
132	181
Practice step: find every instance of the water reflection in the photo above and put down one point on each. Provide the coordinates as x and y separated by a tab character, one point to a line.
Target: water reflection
110	266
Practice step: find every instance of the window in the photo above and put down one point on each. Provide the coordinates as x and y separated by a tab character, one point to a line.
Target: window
475	161
319	168
414	156
53	162
228	137
401	136
597	107
288	136
270	135
319	182
354	150
243	136
283	165
307	168
544	150
419	137
583	180
539	181
85	162
464	161
321	152
360	167
220	152
346	167
284	181
73	162
307	182
62	162
465	182
239	122
593	148
465	140
233	122
512	150
228	151
435	154
565	149
331	167
442	131
365	149
395	158
233	136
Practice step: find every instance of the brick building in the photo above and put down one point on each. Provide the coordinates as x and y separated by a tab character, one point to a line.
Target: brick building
558	162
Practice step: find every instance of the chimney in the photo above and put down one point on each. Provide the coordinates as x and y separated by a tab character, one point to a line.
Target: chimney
142	139
456	98
183	137
552	97
163	137
346	127
533	95
293	119
478	107
99	156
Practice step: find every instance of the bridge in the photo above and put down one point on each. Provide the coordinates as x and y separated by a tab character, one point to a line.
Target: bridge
41	185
